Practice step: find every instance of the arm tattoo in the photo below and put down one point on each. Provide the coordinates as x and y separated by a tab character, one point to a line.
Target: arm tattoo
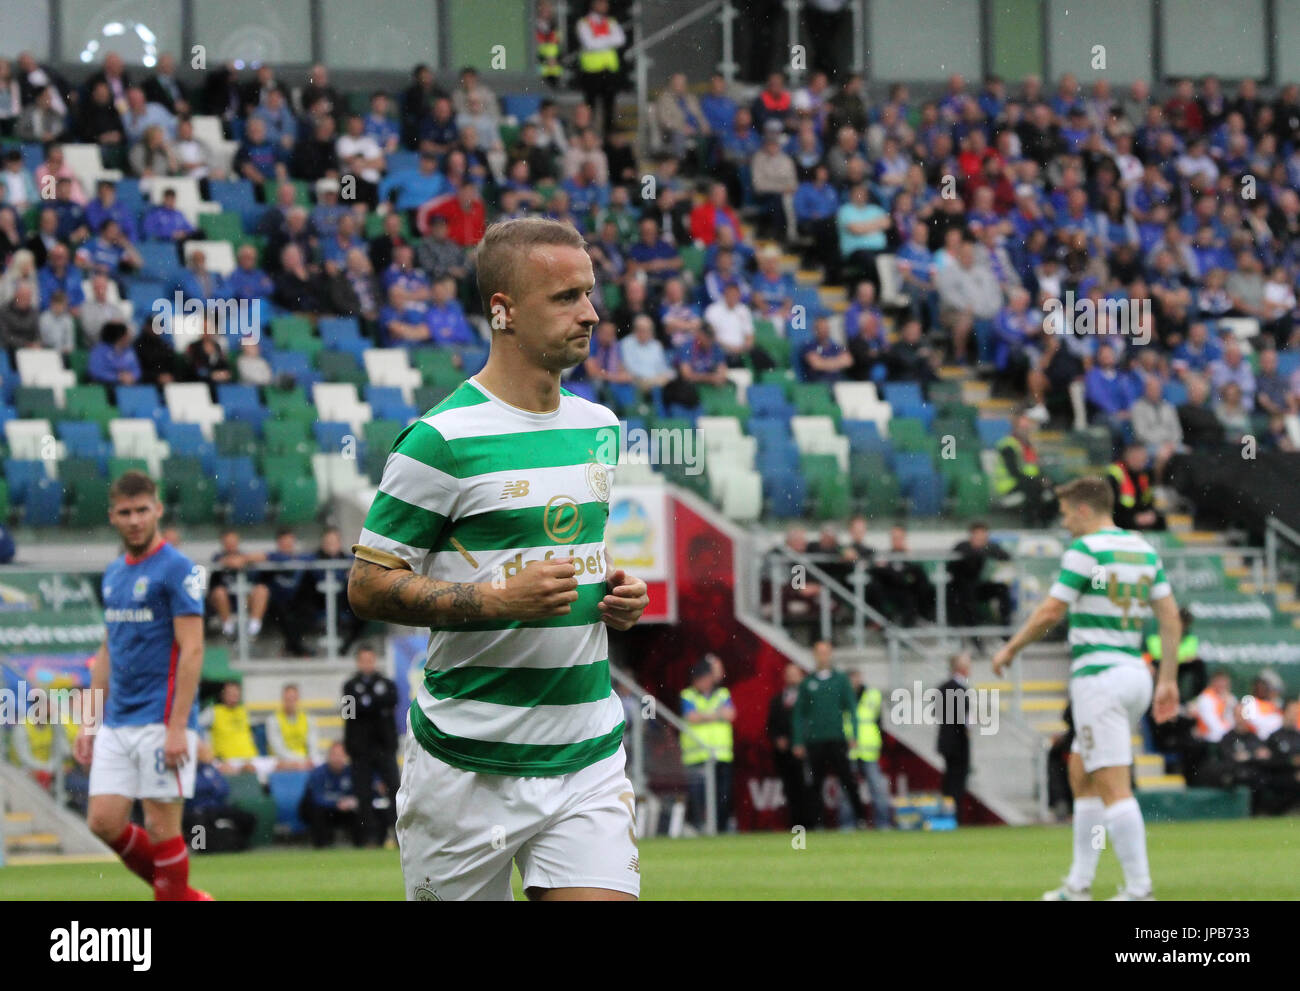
413	600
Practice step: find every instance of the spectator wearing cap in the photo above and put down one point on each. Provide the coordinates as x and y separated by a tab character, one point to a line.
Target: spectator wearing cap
327	212
773	180
709	713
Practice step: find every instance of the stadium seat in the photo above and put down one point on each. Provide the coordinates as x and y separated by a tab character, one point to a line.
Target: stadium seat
343	334
87	164
388	403
333	437
288	437
391	366
340	367
188	200
768	401
338	401
31	440
287	788
233	438
242	403
232	473
88	402
785	495
195	502
191	402
43	505
160	261
218	256
742	496
22	475
88	500
221	226
43	368
337	475
249	501
35	403
137	438
297	501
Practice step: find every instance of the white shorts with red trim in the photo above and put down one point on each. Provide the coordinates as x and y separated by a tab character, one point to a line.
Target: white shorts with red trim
128	761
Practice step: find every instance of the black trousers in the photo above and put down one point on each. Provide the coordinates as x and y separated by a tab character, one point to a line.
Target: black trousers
369	762
323	821
956	768
602	88
791	770
964	602
832	757
828	31
226	829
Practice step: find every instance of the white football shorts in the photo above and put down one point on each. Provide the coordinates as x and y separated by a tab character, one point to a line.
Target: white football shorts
128	760
459	831
1106	707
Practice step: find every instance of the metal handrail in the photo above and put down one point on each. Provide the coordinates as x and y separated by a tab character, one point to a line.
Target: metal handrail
664	711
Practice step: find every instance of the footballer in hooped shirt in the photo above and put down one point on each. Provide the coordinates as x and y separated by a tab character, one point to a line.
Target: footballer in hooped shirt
146	677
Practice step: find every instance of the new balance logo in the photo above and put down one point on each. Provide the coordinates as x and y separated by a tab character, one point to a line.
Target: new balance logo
634	864
514	490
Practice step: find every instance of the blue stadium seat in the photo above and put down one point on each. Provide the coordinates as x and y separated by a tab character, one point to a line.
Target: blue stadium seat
83	439
296	365
287	788
33	156
768	401
521	106
922	411
786	494
769	430
143	293
141	402
925	491
584	390
992	431
330	436
864	435
249	500
386	403
343	334
21	476
906	463
44	502
234	195
160	260
903	394
7	413
241	402
233	472
1287	363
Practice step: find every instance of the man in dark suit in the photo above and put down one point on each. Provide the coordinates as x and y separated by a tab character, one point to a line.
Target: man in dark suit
954	737
163	87
780	727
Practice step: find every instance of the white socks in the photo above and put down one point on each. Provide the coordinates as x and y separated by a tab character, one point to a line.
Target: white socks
254	627
1089	824
1128	835
228	627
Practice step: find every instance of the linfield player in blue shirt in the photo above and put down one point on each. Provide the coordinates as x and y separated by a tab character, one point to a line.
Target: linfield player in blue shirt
146	679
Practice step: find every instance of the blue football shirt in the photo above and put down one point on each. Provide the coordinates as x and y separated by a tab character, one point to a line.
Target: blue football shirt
141	598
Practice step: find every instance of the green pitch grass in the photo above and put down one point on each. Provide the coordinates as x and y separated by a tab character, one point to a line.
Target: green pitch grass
1217	860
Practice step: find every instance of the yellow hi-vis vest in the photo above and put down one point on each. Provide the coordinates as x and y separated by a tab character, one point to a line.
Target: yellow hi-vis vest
1003	481
605	60
548	57
867	747
712	735
294	733
40	740
1187	648
232	735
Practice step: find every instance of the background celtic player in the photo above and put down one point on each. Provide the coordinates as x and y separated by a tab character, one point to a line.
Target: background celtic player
489	529
1111	582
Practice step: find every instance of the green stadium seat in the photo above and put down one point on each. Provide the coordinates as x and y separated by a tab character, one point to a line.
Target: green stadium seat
297	500
117	466
88	502
776	346
281	470
195	503
814	399
381	434
972	496
881	497
692	260
339	366
907	433
289	405
612	294
288	436
437	371
221	226
74	470
179	472
429	396
35	403
288	329
375	226
88	402
234	438
946	392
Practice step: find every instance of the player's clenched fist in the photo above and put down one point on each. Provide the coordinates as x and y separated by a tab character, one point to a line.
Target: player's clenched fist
541	590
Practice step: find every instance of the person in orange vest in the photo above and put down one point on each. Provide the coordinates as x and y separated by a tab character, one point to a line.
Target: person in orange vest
1213	708
1265	715
600	37
1130	480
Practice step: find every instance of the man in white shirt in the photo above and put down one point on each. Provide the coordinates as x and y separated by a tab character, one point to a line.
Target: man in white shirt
732	324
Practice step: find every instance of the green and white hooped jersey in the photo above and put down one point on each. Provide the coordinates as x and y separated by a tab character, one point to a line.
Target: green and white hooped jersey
472	492
1109	579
